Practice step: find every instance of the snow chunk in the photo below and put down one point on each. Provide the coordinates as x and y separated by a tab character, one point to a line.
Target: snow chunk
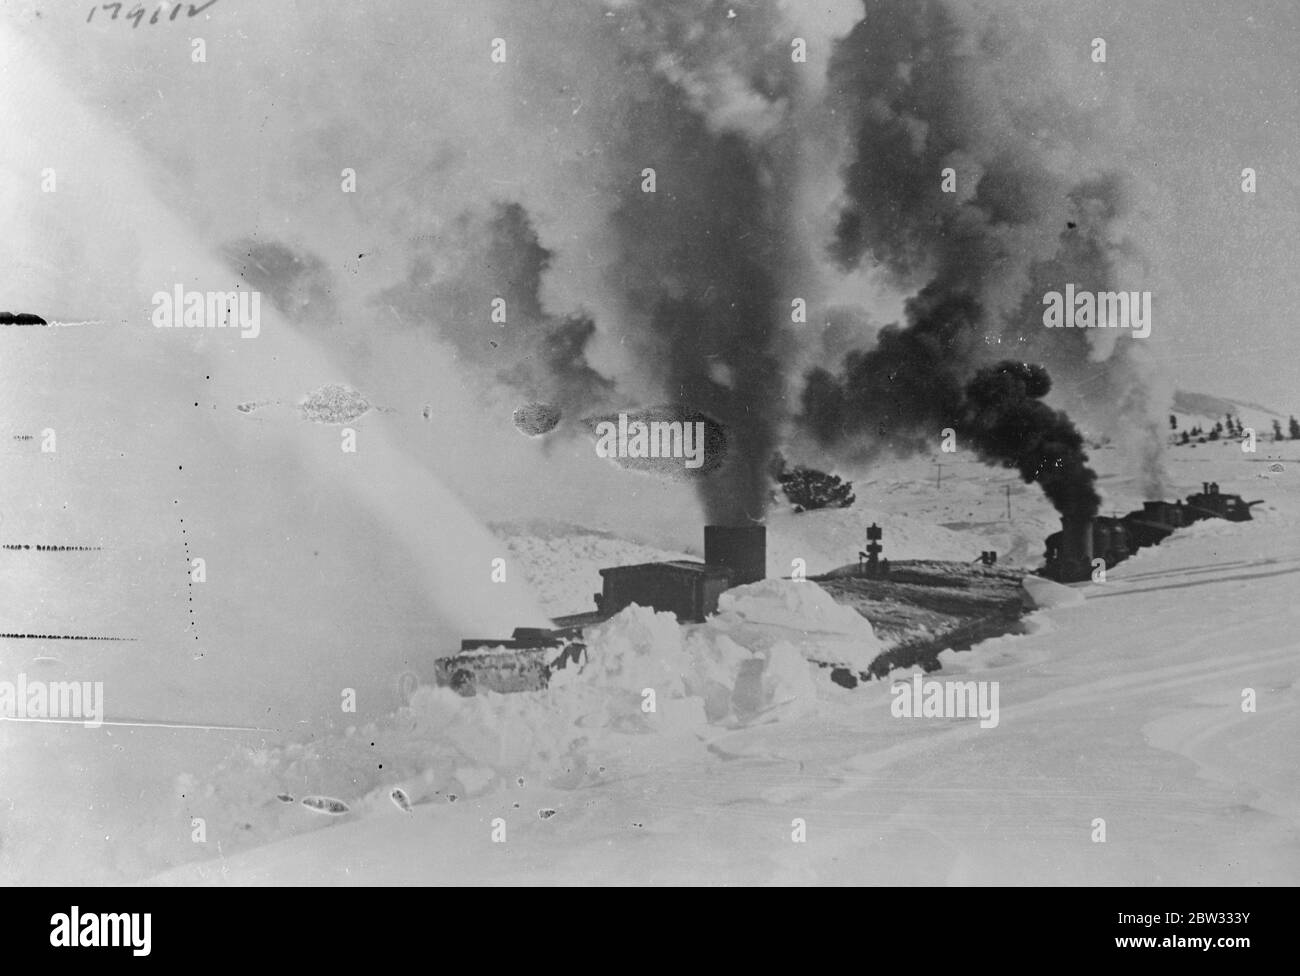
801	614
1044	593
787	677
635	649
798	604
719	671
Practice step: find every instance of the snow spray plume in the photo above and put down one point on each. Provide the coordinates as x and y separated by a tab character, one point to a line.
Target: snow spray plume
297	283
698	257
927	86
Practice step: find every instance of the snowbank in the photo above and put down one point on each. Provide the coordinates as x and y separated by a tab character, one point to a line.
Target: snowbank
734	672
796	604
801	613
1044	593
643	674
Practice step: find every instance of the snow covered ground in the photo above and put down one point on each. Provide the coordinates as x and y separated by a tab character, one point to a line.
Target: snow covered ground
1125	708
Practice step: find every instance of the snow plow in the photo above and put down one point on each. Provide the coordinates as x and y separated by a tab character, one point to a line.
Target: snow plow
525	662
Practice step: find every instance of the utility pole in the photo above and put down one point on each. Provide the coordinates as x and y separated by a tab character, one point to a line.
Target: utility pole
939	479
1008	488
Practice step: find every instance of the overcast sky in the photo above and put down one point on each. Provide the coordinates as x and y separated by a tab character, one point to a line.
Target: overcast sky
1209	89
1216	88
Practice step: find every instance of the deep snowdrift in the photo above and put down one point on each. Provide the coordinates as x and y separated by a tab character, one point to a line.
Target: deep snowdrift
643	675
1125	707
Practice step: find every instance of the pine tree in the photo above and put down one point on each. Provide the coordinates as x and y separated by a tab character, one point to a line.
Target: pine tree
1294	427
810	489
1277	430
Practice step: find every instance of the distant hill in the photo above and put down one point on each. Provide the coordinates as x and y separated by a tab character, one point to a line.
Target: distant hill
1213	408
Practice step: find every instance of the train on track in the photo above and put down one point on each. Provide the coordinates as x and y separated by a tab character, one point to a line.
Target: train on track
1071	553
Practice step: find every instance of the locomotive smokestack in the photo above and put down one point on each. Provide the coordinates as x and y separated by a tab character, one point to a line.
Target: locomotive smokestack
1076	547
740	548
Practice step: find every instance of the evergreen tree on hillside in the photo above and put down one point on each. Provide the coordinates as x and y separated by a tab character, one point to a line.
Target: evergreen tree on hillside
809	489
1277	430
1295	429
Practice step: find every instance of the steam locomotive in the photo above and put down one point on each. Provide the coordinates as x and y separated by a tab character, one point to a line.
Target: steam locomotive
1071	552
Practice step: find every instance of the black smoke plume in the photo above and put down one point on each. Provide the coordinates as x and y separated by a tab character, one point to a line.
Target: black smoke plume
1005	419
930	88
900	394
699	259
906	390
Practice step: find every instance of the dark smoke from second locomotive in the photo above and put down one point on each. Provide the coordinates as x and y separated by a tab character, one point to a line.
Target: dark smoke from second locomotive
909	390
925	87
